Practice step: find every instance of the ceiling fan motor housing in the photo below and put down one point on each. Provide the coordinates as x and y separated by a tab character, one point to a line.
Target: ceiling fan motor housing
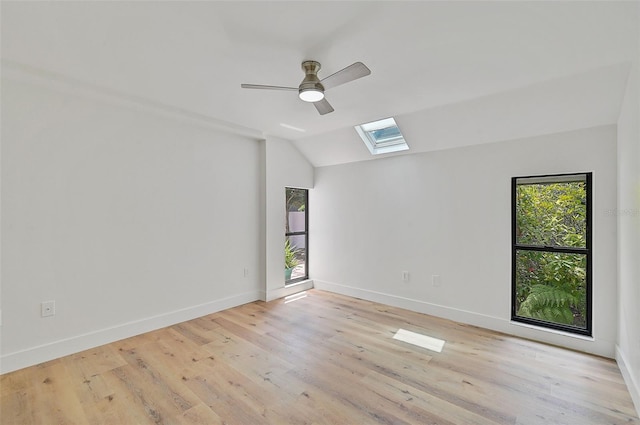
311	82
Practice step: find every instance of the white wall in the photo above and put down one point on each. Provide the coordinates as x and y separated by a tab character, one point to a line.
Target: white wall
448	213
628	214
584	100
130	220
285	167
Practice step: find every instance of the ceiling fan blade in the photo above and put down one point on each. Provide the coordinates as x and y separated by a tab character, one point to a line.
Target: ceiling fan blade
323	106
350	73
258	86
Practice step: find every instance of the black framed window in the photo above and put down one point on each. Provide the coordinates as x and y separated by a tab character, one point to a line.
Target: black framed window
296	232
551	251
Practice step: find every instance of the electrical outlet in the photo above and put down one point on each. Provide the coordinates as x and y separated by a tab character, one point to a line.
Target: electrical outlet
48	308
405	276
436	280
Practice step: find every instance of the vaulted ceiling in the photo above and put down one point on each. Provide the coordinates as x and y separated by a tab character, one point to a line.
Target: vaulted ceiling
452	73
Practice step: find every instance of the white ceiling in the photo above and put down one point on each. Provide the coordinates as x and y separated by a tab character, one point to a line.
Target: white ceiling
452	73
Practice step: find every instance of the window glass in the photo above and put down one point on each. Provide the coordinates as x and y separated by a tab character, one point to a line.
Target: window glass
551	260
296	260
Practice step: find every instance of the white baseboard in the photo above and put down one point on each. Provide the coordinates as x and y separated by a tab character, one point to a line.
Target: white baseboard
285	291
53	350
596	346
631	379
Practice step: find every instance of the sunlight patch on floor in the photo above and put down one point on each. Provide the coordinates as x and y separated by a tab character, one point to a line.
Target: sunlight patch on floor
424	341
295	297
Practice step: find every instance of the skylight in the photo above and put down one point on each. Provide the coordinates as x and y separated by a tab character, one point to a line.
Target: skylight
382	136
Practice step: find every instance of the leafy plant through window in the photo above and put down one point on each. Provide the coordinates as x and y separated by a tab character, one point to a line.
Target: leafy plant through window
296	235
552	251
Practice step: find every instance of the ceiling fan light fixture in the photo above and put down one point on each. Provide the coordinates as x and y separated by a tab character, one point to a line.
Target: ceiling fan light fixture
311	95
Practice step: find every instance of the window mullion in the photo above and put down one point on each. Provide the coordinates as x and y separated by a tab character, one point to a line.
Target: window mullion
295	233
564	249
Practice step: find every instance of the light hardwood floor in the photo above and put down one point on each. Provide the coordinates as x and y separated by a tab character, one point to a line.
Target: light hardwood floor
323	359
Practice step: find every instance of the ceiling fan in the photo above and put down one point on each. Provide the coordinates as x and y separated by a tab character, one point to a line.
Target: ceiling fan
311	89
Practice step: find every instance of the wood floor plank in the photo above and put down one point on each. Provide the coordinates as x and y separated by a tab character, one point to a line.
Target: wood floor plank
322	359
50	398
414	399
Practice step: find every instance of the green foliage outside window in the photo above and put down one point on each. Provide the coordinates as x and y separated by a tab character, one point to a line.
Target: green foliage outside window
551	286
290	253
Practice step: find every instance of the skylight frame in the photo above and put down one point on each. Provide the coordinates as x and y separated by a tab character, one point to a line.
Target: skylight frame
381	145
